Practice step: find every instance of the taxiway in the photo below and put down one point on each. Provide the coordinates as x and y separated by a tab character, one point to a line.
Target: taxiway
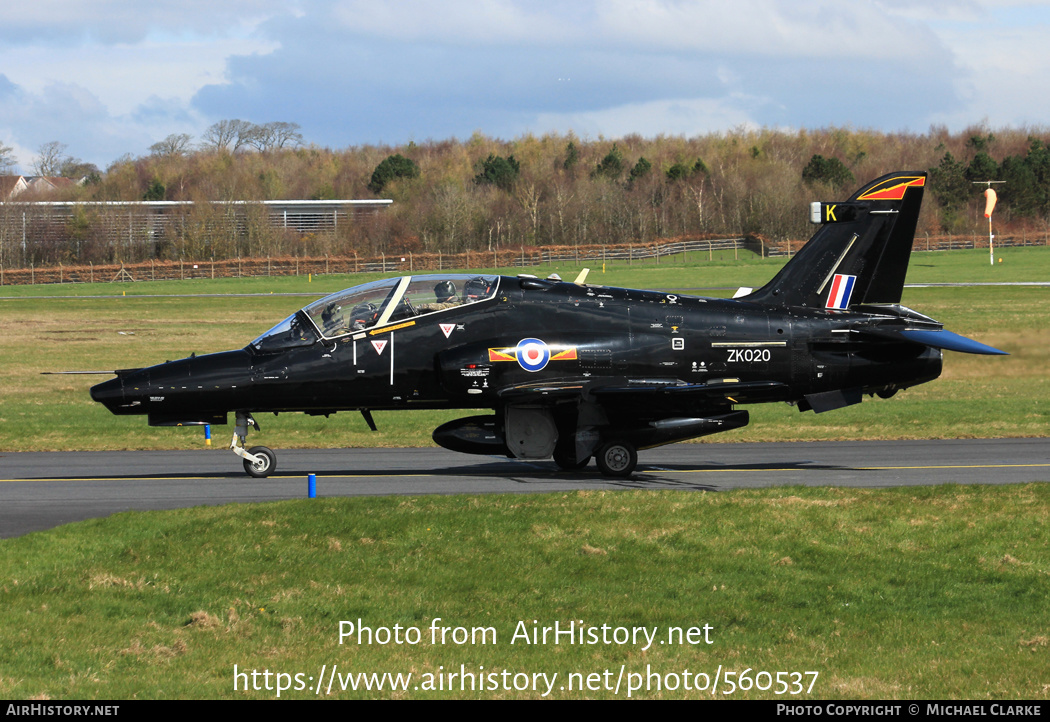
41	490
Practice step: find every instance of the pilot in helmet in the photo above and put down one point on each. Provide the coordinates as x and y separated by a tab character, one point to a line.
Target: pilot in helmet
476	289
445	291
331	317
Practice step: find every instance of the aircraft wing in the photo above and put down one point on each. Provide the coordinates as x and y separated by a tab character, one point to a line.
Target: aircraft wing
553	392
644	412
718	392
631	393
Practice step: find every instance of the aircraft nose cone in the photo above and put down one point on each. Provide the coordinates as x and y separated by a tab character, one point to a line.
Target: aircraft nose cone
186	388
109	393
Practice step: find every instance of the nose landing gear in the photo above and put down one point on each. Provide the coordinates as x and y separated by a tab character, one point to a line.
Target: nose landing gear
259	461
266	462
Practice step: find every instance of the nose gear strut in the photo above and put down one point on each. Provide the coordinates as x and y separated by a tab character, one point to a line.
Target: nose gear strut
259	461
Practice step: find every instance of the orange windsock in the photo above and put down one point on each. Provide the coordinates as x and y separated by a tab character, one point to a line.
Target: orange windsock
989	203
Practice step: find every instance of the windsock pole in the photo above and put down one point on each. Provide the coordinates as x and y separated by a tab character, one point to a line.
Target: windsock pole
989	205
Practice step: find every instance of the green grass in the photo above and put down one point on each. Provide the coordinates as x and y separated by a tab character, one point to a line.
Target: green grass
975	397
935	593
911	593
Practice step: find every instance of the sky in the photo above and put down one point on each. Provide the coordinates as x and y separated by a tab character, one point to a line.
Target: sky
112	77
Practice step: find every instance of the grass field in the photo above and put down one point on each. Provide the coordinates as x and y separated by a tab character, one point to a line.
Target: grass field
911	593
917	593
975	397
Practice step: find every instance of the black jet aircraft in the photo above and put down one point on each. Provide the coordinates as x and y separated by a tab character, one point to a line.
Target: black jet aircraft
574	370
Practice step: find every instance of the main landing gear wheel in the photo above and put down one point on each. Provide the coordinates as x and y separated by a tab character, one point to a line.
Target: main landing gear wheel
264	466
616	458
567	462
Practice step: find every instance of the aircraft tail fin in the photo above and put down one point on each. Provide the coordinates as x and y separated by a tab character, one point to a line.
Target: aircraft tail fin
860	253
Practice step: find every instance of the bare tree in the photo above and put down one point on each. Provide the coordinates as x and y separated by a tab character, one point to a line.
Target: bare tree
529	198
258	136
696	194
453	207
174	145
7	160
219	136
228	135
283	134
50	159
272	136
562	198
77	169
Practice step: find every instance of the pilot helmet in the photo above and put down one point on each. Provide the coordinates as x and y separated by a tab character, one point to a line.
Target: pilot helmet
476	288
445	291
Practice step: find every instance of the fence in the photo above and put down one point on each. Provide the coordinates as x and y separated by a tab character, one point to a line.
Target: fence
38	231
692	248
523	257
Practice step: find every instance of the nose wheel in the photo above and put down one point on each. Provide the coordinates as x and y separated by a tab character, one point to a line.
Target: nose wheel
265	462
259	461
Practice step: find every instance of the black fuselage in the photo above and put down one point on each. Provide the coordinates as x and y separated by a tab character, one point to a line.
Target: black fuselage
594	337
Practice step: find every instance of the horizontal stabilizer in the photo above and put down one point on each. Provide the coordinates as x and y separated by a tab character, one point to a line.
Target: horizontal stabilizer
936	338
950	341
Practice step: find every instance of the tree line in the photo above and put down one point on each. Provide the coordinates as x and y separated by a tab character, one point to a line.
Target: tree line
483	193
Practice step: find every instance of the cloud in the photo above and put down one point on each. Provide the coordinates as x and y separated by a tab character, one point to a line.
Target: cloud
101	74
112	77
814	29
391	71
685	116
8	90
73	115
109	22
122	75
999	50
767	28
473	23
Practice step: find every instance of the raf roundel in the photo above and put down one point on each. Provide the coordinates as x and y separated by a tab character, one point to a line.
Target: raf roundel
532	354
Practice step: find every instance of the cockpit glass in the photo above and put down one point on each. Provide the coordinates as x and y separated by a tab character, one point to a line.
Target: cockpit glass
396	300
289	333
354	309
426	294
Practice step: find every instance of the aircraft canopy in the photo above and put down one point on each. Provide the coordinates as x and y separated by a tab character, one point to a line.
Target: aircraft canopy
377	303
